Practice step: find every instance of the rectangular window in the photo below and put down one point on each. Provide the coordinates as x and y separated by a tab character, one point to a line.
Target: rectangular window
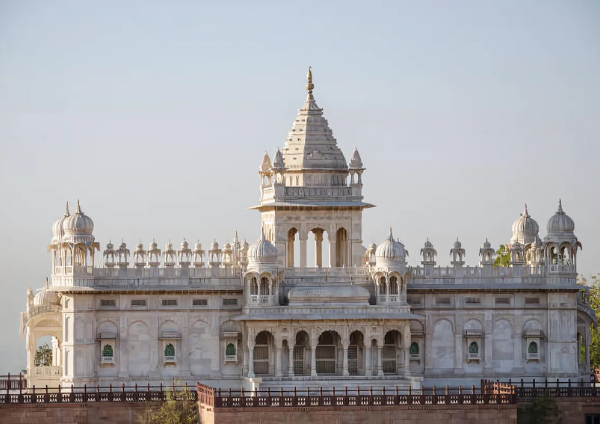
138	302
442	301
592	419
108	302
229	302
503	301
200	302
414	300
473	300
169	302
532	300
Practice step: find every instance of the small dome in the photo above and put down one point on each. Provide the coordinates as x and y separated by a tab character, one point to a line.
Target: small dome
457	244
525	230
214	245
428	244
57	227
198	246
153	245
78	223
355	160
169	246
391	250
227	246
139	247
185	244
110	246
487	244
46	297
245	245
123	246
372	246
560	222
263	251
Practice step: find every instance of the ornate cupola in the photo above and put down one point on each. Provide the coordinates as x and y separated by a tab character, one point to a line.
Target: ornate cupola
109	255
214	254
391	255
428	253
185	254
57	228
153	254
486	254
139	256
122	255
560	245
262	255
198	257
169	255
525	229
458	254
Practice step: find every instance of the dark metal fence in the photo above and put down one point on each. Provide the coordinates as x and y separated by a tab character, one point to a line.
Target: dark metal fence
217	398
543	388
83	394
12	382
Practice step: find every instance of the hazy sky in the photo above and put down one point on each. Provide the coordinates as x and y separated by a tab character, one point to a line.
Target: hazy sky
156	115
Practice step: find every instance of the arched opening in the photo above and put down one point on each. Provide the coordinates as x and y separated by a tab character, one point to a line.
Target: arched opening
394	289
290	247
265	289
533	348
341	248
253	287
356	354
391	344
474	348
302	354
262	353
326	353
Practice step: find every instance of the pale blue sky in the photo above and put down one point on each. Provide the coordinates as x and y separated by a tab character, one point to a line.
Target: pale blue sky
156	114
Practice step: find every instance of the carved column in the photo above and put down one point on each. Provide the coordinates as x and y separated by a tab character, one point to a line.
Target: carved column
251	360
290	359
368	360
318	248
278	360
332	252
303	252
313	356
345	345
379	359
407	341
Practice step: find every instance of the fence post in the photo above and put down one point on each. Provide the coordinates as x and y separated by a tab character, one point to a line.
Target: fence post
33	396
59	399
20	384
85	392
7	385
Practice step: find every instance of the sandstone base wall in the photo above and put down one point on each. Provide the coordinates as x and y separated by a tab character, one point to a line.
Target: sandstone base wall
70	413
442	414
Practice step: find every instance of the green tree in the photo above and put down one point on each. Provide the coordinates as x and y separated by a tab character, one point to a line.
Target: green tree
502	256
43	356
180	408
595	304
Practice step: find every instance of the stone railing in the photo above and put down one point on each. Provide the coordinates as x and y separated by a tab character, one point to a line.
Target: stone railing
50	371
326	272
473	272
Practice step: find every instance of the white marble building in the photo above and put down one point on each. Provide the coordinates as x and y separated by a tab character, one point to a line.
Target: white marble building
262	315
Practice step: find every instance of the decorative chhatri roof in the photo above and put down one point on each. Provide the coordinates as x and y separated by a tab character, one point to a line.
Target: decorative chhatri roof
310	143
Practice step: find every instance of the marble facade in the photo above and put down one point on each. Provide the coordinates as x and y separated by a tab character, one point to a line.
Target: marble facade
261	315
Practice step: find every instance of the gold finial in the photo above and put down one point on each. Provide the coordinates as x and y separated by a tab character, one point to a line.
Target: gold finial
309	86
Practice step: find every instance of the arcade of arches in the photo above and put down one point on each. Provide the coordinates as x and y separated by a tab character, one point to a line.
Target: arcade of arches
328	352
